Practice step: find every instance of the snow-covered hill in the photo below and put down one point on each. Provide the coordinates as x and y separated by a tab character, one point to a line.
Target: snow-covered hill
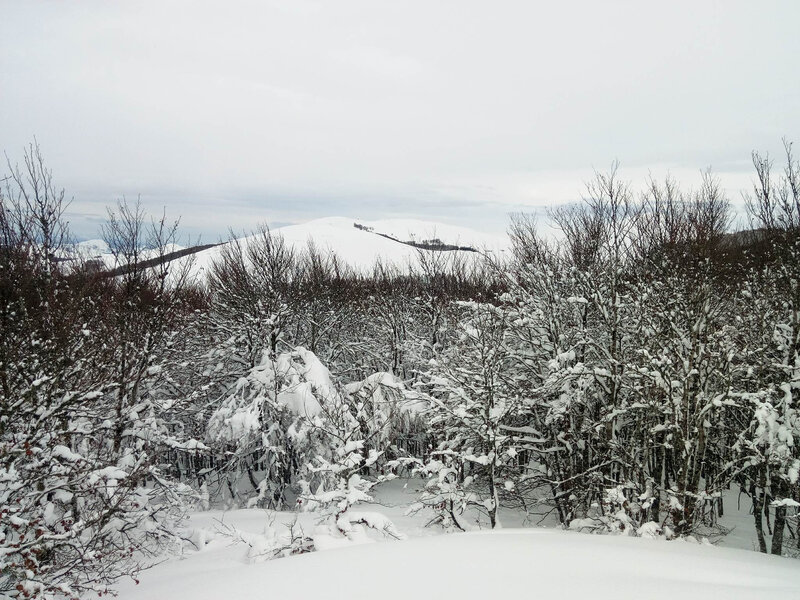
99	250
358	243
93	249
361	246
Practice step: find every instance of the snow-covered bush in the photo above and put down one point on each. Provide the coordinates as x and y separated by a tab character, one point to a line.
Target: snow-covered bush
265	420
290	424
274	541
340	522
622	512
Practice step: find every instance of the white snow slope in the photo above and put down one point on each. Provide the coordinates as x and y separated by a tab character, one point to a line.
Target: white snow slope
530	563
357	247
360	248
99	250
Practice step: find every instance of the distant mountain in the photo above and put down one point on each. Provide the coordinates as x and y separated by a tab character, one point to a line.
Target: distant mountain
97	250
360	243
357	242
92	249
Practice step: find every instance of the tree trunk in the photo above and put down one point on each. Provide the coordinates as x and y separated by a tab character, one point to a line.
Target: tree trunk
252	478
797	537
757	515
777	532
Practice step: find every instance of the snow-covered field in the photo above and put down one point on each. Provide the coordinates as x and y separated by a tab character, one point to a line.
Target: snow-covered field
510	562
503	564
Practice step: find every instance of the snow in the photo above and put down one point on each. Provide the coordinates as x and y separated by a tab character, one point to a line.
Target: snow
65	453
508	563
106	474
418	231
387	389
99	250
536	562
93	248
190	444
306	377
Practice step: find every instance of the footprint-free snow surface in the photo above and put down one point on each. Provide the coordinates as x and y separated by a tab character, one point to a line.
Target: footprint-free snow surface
531	563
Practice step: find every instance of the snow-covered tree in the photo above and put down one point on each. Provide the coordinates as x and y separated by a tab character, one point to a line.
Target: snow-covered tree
472	405
768	444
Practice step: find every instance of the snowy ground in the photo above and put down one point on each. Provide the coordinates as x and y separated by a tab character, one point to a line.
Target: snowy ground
538	562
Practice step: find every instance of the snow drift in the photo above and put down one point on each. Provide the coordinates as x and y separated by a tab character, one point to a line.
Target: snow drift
499	564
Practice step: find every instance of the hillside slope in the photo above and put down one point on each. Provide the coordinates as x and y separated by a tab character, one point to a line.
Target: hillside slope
361	246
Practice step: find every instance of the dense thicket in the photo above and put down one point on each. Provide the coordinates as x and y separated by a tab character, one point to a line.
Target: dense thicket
620	378
84	414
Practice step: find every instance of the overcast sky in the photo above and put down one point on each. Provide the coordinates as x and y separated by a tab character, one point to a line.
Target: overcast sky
230	113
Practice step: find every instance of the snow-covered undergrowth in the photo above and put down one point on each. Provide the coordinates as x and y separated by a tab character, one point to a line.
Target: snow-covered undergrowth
480	564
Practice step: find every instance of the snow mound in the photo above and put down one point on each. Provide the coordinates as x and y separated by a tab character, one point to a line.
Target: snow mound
500	564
